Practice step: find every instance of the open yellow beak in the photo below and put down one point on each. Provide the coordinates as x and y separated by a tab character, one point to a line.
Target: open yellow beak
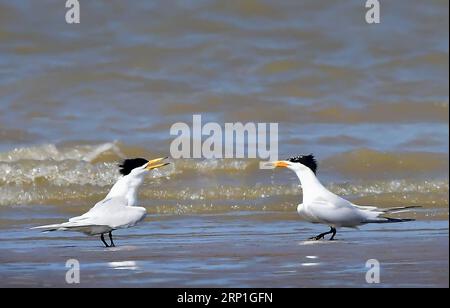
280	164
153	164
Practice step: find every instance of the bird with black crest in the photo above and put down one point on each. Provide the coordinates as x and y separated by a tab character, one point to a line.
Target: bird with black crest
321	206
119	209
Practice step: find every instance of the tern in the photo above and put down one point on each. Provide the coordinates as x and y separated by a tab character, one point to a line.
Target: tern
118	210
324	207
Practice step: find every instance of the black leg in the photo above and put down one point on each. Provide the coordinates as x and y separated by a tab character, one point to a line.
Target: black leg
334	233
322	235
110	237
103	240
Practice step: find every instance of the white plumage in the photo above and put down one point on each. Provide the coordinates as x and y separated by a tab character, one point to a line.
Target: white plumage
322	206
118	210
107	215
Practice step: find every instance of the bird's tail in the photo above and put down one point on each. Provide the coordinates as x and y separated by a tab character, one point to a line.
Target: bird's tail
387	220
57	227
378	214
400	209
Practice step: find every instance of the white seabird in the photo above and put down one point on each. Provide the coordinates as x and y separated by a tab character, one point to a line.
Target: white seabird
324	207
118	210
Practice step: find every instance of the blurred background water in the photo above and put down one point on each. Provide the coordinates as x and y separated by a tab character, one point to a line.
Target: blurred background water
371	101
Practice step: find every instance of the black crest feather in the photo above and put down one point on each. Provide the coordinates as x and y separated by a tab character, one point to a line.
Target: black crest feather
130	164
306	160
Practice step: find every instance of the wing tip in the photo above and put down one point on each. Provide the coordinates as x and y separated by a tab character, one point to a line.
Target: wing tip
387	220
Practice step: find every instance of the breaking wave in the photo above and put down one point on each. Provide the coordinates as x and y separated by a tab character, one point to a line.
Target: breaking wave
81	174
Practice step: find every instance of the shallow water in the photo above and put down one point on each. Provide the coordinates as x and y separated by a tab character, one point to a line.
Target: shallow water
237	250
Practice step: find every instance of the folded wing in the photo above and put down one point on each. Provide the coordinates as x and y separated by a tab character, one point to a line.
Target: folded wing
107	215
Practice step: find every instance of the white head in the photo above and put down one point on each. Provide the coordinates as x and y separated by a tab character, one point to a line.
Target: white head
299	163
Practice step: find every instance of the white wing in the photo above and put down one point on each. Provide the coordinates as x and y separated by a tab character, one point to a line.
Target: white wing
112	212
107	215
342	213
337	213
103	207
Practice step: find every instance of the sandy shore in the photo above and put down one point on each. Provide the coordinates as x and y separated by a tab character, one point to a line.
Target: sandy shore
234	250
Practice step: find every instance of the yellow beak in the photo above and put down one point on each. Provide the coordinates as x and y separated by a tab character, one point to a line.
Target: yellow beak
151	164
280	164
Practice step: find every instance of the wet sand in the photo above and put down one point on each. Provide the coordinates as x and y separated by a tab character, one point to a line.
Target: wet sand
232	250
